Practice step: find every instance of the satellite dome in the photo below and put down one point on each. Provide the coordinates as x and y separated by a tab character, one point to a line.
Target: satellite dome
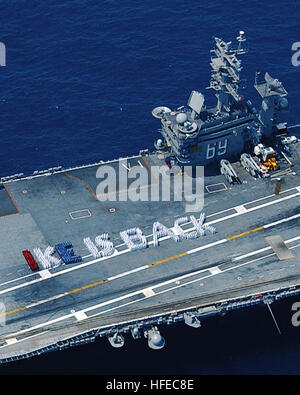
158	112
283	102
157	340
181	118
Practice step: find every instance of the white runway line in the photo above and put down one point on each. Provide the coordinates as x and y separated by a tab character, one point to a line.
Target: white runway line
19	278
46	300
281	221
250	254
127	168
206	246
255	208
19	340
138	269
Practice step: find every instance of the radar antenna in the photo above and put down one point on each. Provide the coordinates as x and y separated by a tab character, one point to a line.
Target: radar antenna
225	78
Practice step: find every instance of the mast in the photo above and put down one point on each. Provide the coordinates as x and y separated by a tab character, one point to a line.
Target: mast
225	78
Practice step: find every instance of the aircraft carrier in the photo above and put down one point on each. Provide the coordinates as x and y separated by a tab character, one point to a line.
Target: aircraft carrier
75	267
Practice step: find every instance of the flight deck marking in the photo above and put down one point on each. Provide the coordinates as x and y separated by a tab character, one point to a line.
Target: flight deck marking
159	261
215	270
75	290
46	300
141	291
86	215
181	285
255	208
80	315
148	292
127	168
162	239
99	282
13	311
149	167
25	338
170	258
137	292
240	209
235	214
45	274
248	232
224	187
12	198
90	189
261	250
19	278
11	340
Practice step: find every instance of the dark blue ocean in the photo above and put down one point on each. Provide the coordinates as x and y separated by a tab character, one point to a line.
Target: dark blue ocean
79	85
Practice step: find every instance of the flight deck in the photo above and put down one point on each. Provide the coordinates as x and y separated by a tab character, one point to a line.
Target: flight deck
235	263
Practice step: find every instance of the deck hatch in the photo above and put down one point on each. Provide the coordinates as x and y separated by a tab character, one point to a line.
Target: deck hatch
216	187
80	214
